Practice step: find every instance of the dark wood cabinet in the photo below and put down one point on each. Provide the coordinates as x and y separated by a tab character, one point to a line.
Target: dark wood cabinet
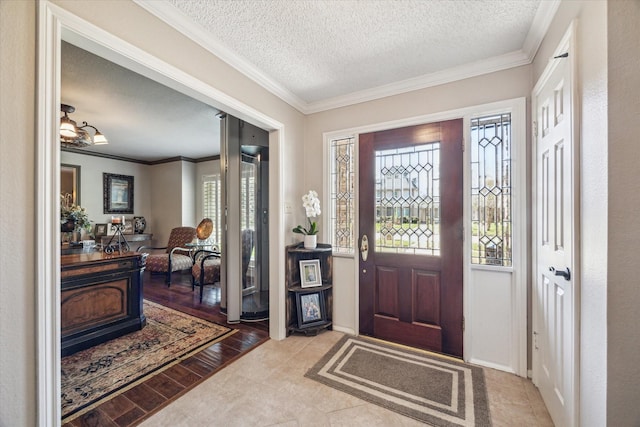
100	298
309	309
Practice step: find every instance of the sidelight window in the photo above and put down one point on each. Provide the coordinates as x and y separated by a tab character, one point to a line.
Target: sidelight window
491	196
342	195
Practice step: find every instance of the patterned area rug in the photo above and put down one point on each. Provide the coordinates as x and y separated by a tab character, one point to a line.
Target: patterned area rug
435	390
91	376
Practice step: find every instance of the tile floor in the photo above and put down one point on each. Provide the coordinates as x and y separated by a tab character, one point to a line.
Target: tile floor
267	387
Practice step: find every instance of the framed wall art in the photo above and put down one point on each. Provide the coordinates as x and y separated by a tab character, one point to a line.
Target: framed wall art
117	193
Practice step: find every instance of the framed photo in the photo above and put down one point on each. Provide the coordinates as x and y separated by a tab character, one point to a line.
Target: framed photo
117	193
100	230
310	275
311	309
128	225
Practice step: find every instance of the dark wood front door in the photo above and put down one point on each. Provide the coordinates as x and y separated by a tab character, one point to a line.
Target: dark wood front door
411	214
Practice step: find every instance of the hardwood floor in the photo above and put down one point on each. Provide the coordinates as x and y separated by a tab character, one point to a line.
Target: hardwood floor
135	405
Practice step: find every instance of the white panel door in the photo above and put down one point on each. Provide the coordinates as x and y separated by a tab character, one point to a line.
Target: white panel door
554	354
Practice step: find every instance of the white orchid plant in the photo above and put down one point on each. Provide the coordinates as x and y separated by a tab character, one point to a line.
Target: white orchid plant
311	204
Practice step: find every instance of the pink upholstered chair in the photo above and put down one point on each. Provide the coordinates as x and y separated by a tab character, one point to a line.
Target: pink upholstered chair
175	257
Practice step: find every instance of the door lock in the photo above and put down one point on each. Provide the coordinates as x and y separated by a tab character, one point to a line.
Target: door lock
565	274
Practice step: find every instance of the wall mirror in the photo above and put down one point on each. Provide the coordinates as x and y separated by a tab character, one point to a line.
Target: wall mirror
70	182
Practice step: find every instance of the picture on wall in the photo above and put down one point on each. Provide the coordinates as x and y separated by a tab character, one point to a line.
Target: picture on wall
117	193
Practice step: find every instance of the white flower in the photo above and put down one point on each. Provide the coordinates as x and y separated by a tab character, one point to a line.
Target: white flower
311	204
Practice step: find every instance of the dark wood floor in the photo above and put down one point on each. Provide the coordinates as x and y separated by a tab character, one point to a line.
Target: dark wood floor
133	406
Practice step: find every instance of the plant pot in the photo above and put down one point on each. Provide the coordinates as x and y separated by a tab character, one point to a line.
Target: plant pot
310	241
68	226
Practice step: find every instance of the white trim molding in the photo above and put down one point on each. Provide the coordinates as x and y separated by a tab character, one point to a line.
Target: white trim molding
54	25
496	297
47	222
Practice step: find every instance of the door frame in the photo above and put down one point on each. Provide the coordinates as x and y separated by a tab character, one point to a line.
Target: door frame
55	24
517	107
568	43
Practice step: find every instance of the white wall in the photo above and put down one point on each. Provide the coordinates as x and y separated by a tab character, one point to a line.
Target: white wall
623	285
189	196
167	194
592	87
17	215
166	200
91	187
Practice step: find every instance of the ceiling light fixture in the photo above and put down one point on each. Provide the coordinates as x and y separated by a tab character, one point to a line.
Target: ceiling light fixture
74	136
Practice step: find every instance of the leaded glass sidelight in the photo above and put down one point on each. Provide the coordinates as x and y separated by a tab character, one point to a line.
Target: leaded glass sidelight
408	200
491	222
342	195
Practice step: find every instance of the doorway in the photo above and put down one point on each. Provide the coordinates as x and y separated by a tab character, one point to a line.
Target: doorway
55	24
411	254
245	205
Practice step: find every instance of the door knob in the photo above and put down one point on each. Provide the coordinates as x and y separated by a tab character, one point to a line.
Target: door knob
364	247
565	274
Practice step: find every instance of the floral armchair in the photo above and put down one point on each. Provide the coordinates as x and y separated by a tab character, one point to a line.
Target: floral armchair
175	257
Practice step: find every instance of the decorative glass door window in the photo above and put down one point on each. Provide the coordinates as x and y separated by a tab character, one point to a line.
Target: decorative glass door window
407	183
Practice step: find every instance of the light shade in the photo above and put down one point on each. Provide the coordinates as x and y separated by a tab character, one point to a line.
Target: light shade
74	136
67	128
99	139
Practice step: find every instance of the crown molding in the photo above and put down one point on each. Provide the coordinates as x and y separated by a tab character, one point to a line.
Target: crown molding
180	22
498	63
541	22
139	161
173	17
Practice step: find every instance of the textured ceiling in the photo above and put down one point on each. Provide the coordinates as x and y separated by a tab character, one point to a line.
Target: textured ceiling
322	49
314	54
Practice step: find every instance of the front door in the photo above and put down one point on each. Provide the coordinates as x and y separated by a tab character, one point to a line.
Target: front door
411	236
554	368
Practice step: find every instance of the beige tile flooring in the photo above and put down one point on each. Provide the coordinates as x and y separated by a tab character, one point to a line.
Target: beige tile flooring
267	387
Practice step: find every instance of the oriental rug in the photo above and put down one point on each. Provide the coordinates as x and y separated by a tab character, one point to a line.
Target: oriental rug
433	389
92	376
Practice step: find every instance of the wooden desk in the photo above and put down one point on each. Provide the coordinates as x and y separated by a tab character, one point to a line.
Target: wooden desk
100	298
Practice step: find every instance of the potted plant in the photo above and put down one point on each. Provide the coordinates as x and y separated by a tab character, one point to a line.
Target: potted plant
73	218
311	204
